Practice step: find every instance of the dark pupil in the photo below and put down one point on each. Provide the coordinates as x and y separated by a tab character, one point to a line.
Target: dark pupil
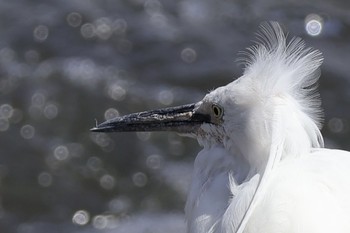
216	111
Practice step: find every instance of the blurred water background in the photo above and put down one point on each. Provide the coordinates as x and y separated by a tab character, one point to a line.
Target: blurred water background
65	63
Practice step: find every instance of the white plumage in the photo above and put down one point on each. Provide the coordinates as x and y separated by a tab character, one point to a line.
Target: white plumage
262	168
267	172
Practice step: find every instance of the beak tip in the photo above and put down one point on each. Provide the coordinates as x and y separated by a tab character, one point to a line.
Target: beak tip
103	128
94	129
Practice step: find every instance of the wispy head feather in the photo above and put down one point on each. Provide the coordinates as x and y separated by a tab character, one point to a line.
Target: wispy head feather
279	66
280	84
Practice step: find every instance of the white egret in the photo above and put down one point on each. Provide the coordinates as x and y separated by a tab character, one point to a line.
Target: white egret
262	168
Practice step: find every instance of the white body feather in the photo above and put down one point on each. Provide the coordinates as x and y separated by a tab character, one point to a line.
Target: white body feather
263	169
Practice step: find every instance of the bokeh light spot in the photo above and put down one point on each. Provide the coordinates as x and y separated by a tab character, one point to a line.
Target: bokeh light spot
107	182
41	33
27	131
103	28
74	19
111	113
154	161
88	30
94	164
105	221
61	152
6	111
45	179
82	72
120	204
139	179
50	111
116	92
119	26
336	125
166	97
99	222
313	24
188	55
38	99
81	217
101	139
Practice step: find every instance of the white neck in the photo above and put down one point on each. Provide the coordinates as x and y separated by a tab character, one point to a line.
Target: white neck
226	184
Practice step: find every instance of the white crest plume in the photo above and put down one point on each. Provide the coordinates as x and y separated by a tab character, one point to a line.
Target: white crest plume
279	66
285	73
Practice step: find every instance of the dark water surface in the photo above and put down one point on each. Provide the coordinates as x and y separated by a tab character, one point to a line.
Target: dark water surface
65	63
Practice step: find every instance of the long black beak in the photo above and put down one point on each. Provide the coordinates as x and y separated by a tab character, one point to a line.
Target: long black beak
182	119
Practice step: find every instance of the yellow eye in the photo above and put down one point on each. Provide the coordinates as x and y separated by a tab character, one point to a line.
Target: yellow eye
217	111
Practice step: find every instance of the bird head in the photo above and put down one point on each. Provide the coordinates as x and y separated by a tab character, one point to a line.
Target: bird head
275	98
